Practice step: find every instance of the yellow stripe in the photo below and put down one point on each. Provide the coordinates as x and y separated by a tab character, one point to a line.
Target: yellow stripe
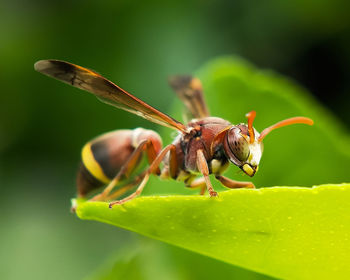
92	165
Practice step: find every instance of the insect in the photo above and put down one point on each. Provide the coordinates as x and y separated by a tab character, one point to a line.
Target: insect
205	145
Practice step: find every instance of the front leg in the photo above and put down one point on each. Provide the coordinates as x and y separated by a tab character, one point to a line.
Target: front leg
202	166
231	184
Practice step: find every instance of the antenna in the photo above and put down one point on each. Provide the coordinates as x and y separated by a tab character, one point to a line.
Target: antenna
251	116
283	123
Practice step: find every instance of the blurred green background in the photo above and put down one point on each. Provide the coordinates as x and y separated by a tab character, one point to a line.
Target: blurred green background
137	44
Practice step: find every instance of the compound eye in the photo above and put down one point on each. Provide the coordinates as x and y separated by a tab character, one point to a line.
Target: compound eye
238	145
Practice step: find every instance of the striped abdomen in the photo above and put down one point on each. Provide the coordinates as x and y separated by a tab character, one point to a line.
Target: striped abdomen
102	158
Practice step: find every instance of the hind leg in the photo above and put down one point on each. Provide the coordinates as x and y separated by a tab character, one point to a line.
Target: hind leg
119	192
153	168
128	168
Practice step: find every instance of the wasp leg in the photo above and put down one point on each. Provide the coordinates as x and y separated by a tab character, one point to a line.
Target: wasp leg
202	166
154	166
199	183
128	168
151	156
231	184
127	187
173	165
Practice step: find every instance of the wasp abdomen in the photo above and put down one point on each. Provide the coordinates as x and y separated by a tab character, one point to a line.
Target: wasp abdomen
86	182
102	158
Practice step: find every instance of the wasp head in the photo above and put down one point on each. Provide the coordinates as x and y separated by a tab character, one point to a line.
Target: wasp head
243	144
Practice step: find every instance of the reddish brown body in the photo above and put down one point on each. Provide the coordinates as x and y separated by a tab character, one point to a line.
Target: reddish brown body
205	145
112	150
201	137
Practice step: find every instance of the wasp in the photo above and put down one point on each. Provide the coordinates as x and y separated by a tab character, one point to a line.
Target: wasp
205	145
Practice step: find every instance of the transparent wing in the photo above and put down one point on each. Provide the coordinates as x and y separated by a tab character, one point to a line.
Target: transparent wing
189	90
105	90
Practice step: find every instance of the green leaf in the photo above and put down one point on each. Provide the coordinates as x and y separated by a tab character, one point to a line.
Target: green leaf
294	233
285	232
148	259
